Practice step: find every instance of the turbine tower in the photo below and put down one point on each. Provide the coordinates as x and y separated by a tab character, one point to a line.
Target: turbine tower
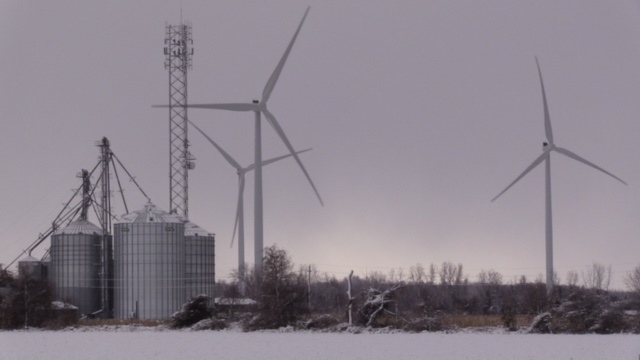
239	222
258	108
178	51
547	148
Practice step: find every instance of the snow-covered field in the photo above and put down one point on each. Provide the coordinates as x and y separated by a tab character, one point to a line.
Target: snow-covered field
221	345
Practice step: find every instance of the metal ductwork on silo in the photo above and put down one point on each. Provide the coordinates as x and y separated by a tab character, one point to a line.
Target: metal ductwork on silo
199	261
149	264
76	263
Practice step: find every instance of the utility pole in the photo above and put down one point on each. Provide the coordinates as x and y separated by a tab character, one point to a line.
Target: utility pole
309	287
351	299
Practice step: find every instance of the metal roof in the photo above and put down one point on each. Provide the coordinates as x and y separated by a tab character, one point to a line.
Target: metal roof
150	213
79	227
191	229
235	301
59	305
28	258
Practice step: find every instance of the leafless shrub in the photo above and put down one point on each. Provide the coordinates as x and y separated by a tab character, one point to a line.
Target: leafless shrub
210	324
584	311
322	322
192	312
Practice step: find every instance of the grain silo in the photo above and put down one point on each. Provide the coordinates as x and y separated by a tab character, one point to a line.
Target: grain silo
199	261
149	264
75	267
32	268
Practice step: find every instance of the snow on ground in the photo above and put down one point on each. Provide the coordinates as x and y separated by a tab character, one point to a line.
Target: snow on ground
138	344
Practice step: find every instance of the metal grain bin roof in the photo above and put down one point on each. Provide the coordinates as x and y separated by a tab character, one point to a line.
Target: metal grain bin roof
28	258
150	214
79	227
191	229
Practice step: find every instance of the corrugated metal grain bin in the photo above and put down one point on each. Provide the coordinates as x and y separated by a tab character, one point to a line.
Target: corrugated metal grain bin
199	261
75	266
149	264
32	268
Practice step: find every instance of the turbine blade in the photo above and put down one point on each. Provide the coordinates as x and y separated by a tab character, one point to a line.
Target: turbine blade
235	227
547	118
586	162
535	163
271	83
239	206
229	106
278	129
224	154
272	160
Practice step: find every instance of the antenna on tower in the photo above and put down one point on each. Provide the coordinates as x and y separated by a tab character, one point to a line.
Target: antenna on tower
178	51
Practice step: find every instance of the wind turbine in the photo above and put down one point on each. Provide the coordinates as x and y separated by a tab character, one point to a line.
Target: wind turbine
239	223
260	107
547	148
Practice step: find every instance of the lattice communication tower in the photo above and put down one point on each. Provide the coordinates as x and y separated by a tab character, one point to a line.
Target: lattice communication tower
178	51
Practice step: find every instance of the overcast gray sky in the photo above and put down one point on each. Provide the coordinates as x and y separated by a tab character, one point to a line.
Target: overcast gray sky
418	112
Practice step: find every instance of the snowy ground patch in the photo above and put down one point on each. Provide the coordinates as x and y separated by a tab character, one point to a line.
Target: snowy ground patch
146	343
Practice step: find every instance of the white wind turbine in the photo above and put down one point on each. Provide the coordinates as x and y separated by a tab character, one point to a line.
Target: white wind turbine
239	222
260	107
547	148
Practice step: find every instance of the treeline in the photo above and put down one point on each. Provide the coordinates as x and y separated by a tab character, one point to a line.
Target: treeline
422	299
288	294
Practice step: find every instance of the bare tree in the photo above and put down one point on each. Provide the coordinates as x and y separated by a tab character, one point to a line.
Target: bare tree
375	279
392	275
282	290
490	277
400	274
572	278
632	280
522	279
417	273
597	276
451	274
28	304
246	282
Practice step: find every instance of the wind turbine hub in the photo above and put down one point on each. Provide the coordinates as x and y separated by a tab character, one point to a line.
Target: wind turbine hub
256	101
